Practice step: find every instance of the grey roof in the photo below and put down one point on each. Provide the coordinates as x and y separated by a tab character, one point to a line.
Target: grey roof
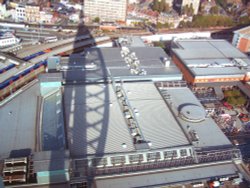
245	31
50	161
50	77
52	130
210	135
169	177
94	121
155	119
216	54
110	64
232	71
18	120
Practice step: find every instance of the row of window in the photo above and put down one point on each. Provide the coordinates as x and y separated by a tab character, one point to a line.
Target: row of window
139	157
8	41
218	80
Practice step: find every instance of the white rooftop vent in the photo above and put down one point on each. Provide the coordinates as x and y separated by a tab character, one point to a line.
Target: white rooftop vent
124	145
14	62
149	144
2	58
90	66
125	49
166	62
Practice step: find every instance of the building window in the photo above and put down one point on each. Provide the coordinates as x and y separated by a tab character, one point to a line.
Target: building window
183	152
170	154
136	158
153	156
99	161
118	160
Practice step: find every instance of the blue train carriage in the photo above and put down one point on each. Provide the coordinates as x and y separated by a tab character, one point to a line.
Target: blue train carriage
17	81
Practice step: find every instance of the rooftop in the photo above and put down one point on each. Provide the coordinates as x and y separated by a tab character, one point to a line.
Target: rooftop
157	123
245	31
52	129
192	117
94	121
18	120
97	65
211	57
169	177
50	161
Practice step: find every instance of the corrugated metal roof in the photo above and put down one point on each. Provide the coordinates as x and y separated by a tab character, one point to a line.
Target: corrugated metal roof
155	119
18	120
212	52
94	121
170	177
151	59
208	131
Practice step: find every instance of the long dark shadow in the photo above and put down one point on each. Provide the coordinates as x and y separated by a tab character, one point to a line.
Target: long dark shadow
86	104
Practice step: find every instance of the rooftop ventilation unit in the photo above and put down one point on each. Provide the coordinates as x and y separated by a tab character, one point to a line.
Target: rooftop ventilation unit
2	58
166	62
239	62
90	66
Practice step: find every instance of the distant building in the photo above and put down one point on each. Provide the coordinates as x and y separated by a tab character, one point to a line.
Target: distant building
8	39
20	15
32	13
210	60
133	1
241	39
106	10
45	17
4	12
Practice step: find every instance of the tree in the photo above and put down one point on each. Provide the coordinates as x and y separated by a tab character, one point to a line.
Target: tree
214	10
188	10
96	19
167	7
160	6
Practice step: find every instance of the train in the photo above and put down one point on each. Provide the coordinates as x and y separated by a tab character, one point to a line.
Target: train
27	58
21	79
13	25
7	68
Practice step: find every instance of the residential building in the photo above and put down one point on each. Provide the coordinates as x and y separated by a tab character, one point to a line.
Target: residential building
106	10
20	13
210	60
45	17
32	13
241	39
8	39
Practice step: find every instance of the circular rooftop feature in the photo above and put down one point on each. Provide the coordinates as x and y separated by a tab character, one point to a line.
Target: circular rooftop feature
192	113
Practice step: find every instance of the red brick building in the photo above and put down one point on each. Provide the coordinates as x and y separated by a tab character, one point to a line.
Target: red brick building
241	39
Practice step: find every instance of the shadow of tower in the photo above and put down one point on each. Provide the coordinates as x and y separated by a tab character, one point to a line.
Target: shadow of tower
86	106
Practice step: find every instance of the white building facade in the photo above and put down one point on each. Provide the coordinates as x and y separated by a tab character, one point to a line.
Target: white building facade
20	13
106	10
8	39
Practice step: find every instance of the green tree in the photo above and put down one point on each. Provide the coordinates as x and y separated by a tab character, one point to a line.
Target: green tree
156	5
214	10
96	19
